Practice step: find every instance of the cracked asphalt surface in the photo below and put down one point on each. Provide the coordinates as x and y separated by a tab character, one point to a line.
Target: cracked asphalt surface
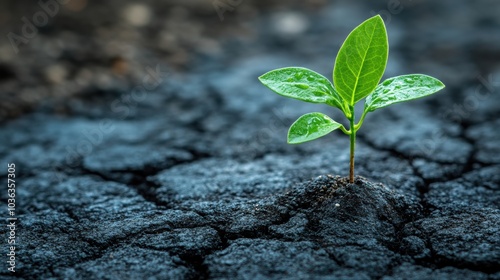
196	181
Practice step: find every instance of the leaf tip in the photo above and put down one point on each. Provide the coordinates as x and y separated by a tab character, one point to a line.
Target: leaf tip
261	77
439	84
291	141
378	16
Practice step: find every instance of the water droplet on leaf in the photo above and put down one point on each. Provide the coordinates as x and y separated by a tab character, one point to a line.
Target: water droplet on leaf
302	86
409	81
386	83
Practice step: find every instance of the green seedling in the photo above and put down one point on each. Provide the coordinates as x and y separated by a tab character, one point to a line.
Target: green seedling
359	66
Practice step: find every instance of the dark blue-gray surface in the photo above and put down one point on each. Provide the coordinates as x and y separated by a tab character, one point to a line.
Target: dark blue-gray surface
198	181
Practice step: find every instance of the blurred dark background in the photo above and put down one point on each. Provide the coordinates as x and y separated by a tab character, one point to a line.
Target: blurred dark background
82	48
145	145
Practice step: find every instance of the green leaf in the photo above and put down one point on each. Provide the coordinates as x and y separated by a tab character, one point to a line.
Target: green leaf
302	84
400	89
311	126
361	60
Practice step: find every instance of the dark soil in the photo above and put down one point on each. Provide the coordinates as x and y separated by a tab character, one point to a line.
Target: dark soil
195	180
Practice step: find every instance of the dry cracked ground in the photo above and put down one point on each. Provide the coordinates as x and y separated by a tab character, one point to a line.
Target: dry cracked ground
194	180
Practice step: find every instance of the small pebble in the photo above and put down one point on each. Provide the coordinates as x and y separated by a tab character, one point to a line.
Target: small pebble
137	14
290	23
56	73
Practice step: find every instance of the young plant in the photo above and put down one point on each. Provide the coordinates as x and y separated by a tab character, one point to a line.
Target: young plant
359	65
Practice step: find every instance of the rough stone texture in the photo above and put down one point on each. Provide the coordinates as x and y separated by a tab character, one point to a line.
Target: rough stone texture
196	181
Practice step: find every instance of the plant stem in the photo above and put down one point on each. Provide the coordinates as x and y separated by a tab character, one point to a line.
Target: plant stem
348	132
360	121
353	145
